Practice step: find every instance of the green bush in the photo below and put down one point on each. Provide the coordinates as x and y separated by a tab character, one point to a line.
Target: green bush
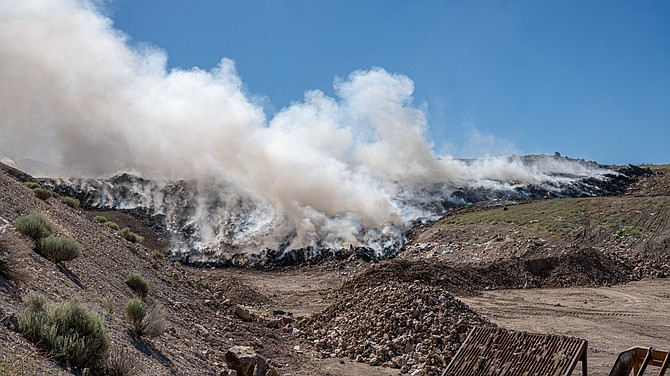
145	322
138	284
67	331
130	236
135	313
100	218
42	193
70	201
113	225
32	185
34	226
59	249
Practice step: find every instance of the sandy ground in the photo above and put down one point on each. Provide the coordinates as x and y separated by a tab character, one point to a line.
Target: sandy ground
612	319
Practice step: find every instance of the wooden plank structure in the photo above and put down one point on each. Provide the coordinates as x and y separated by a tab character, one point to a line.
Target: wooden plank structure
635	361
499	352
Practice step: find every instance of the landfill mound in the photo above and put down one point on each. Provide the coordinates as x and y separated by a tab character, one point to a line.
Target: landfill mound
216	223
550	243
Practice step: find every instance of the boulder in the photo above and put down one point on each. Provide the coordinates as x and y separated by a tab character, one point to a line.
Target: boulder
243	313
246	362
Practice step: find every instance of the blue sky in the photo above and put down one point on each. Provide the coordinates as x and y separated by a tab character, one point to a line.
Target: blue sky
588	79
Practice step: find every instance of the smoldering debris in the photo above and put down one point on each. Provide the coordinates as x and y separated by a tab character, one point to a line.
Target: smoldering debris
220	223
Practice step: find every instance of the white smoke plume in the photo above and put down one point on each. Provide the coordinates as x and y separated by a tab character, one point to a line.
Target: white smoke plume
75	94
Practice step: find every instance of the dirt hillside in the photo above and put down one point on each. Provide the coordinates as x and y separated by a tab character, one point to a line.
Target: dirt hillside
199	311
349	317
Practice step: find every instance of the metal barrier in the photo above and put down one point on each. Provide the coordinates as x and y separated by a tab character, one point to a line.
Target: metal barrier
499	352
636	360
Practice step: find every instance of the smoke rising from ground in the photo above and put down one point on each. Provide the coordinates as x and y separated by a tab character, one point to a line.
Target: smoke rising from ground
75	94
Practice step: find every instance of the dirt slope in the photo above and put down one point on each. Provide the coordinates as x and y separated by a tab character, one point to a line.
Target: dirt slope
564	242
199	314
571	242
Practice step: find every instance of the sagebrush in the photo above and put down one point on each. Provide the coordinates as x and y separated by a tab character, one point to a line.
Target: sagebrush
113	225
145	322
42	193
32	185
130	236
67	331
59	249
138	284
70	201
35	226
100	218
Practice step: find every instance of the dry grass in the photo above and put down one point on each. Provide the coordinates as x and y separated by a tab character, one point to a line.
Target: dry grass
145	322
122	363
12	248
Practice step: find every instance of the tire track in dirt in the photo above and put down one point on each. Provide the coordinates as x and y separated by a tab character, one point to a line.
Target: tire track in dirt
612	319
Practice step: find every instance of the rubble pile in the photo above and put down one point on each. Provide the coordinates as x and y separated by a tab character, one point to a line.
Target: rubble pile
407	325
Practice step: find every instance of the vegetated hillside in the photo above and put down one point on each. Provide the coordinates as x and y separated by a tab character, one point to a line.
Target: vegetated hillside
559	242
201	325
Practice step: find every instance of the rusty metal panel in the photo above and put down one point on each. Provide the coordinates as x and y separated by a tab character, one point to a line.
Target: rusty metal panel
636	359
499	352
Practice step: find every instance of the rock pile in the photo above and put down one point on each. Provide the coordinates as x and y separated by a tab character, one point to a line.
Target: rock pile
407	325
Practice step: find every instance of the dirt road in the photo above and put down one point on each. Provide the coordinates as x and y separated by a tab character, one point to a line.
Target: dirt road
612	319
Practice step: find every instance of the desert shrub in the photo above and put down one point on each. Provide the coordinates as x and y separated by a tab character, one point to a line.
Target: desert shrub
59	249
130	236
157	255
42	193
122	363
11	267
34	226
108	303
113	225
145	322
70	201
100	218
135	313
138	284
32	184
5	267
67	331
153	324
